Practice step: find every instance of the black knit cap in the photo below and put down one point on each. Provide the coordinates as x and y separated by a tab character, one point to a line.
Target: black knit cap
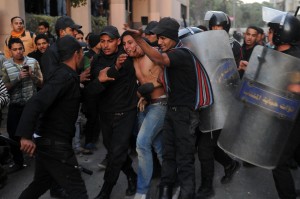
94	39
66	47
150	26
167	27
111	31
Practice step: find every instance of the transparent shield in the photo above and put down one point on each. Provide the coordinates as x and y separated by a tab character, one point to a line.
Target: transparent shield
264	111
213	50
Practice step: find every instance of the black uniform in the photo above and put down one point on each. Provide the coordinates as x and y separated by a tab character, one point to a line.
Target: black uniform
91	110
117	105
282	175
56	109
246	54
180	123
50	60
237	50
208	150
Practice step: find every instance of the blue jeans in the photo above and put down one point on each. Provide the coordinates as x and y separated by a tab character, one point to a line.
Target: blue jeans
151	123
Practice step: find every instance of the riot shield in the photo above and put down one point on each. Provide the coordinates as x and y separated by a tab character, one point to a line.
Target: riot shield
260	120
213	50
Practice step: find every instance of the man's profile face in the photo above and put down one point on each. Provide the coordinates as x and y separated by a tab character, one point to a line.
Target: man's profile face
42	29
270	36
42	45
166	43
67	31
109	46
17	25
17	51
250	37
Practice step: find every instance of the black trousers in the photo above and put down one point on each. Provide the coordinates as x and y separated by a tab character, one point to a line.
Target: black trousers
92	128
13	118
178	149
48	169
117	130
282	176
208	152
208	148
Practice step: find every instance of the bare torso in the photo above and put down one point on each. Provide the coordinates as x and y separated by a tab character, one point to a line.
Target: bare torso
148	72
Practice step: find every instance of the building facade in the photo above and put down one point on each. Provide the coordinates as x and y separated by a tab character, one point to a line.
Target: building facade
286	5
136	13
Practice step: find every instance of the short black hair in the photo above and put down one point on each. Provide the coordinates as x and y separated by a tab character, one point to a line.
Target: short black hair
80	32
14	41
253	27
44	23
67	46
41	36
88	35
12	19
260	30
125	33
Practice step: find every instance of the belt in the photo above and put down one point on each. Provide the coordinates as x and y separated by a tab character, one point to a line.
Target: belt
118	114
51	142
180	108
162	101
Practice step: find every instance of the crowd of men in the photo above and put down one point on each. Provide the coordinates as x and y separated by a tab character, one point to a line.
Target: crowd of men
144	79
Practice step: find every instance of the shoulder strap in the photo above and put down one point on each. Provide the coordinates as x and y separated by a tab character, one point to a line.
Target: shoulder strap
204	92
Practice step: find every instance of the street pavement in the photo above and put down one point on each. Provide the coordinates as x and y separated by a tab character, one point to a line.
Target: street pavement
248	183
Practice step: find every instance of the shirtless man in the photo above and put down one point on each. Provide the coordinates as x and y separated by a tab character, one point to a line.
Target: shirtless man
152	109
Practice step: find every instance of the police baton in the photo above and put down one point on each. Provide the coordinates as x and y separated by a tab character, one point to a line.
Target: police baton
79	167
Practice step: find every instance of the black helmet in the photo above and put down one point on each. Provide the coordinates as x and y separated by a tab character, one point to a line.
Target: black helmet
218	18
188	31
286	29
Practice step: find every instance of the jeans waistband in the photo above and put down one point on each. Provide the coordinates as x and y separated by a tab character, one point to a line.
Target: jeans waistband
162	101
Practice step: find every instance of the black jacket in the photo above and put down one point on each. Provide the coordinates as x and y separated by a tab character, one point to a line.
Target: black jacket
119	95
55	107
50	61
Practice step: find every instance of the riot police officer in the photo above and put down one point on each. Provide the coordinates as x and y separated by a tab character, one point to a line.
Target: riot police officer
218	20
286	33
207	142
